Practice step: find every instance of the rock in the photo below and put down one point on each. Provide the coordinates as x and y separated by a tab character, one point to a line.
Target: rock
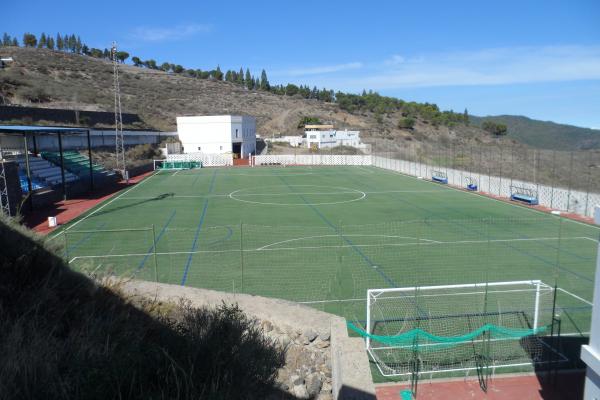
310	334
285	341
322	344
313	384
304	340
267	326
300	392
326	387
296	380
325	336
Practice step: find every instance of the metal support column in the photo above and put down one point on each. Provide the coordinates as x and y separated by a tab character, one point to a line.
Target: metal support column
28	171
89	143
35	148
62	167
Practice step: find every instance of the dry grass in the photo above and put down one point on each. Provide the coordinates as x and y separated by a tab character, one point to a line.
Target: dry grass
65	336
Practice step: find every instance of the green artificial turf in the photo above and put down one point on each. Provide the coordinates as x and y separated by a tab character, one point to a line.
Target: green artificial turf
325	235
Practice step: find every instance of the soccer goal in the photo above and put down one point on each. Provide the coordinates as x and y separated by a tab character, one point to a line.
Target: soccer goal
176	165
451	328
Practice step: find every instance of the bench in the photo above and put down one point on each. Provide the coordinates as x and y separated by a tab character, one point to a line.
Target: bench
439	177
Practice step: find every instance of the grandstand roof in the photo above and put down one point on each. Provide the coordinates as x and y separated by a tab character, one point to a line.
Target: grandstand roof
40	130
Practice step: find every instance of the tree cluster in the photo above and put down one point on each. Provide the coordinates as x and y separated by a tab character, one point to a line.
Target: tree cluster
354	103
494	128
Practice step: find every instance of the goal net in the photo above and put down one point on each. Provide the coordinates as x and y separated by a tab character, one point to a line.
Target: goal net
451	328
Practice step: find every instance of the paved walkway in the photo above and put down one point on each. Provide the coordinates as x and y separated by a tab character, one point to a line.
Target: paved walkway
67	210
526	387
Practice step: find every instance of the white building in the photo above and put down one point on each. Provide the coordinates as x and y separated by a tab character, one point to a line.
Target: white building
590	354
218	134
324	136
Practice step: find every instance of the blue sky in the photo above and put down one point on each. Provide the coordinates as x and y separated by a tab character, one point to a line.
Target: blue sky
535	58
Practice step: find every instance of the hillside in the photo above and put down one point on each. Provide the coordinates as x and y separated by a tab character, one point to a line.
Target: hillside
545	134
52	79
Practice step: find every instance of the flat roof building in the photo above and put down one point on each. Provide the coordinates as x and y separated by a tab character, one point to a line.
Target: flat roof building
218	134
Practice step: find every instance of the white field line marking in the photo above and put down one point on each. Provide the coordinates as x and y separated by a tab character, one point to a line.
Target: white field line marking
285	194
177	172
488	198
110	201
318	247
341	234
575	296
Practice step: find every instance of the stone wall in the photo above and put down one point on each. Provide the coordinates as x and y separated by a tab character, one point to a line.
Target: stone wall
322	362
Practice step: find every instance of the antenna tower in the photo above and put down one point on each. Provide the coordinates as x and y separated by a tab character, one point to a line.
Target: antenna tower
119	142
4	202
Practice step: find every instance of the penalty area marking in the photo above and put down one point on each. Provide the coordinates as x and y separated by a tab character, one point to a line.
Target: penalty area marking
356	235
343	190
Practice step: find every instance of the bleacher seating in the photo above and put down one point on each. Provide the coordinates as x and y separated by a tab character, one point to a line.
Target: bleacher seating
77	164
43	171
35	182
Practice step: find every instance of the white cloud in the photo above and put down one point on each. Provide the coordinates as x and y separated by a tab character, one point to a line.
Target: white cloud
395	60
159	34
323	69
497	66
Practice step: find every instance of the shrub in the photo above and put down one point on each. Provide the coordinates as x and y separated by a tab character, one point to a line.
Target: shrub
406	123
494	128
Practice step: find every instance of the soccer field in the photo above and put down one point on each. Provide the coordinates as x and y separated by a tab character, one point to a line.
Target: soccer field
324	235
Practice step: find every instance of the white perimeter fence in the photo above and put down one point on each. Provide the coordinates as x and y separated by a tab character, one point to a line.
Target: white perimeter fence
208	160
313	159
569	200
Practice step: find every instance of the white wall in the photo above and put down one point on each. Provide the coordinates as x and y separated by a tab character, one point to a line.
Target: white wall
216	134
590	354
333	138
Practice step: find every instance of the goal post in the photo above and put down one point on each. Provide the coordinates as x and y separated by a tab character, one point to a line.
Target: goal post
451	327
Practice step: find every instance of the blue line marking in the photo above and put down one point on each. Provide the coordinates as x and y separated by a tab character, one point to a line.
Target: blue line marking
85	238
194	244
198	229
162	231
348	241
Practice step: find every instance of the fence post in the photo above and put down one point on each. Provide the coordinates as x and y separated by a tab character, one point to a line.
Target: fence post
570	179
552	179
154	253
65	232
242	253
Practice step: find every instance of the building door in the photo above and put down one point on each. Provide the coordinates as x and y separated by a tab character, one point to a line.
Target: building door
236	149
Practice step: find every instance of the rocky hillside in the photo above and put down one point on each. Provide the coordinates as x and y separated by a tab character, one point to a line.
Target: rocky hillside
52	79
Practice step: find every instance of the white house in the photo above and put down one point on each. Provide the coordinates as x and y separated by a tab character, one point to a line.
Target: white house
324	136
218	134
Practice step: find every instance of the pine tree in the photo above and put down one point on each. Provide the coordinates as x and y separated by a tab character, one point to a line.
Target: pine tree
78	45
29	40
264	82
15	42
72	43
240	77
228	76
218	75
42	41
6	39
249	81
59	42
50	43
466	117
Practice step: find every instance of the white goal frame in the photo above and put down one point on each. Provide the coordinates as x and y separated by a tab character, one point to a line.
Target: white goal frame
534	286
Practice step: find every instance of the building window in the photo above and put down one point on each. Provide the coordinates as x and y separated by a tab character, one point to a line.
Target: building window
236	133
199	148
313	136
220	147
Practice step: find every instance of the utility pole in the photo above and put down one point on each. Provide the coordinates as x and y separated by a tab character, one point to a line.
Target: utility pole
119	142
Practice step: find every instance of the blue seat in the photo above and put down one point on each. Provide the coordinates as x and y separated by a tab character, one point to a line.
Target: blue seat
472	187
524	198
439	179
